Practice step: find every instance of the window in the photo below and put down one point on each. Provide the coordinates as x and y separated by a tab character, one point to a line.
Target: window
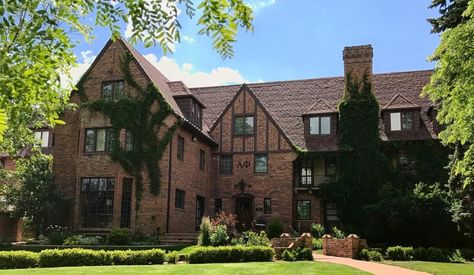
217	206
128	140
320	125
180	148
97	202
303	210
261	163
267	206
179	198
112	89
99	140
43	137
401	121
126	209
405	164
225	164
306	176
331	166
243	125
202	159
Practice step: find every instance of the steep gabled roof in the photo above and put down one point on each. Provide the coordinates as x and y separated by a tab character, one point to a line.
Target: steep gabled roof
287	101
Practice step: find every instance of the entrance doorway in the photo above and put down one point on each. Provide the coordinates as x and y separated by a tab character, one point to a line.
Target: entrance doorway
199	211
243	210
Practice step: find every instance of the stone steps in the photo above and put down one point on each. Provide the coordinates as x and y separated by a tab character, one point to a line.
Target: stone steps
179	238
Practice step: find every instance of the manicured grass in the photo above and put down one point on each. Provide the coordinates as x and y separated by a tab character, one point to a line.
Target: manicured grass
234	268
188	249
436	268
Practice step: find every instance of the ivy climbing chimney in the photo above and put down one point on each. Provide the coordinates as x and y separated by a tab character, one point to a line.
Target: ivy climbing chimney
357	62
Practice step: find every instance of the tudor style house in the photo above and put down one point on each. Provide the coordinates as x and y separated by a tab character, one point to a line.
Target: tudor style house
236	150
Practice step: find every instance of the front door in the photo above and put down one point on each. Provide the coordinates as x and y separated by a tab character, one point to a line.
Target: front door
199	211
243	210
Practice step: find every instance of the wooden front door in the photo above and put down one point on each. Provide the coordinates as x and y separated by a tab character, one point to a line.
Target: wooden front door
243	210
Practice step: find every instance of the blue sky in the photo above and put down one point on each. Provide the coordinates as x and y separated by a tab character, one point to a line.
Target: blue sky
296	39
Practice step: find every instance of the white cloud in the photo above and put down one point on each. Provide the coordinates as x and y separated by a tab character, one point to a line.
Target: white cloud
260	4
188	39
173	71
77	71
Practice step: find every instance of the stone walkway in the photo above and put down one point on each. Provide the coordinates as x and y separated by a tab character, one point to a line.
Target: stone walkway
374	268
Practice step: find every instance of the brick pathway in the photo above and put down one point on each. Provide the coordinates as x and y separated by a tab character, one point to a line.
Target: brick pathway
374	268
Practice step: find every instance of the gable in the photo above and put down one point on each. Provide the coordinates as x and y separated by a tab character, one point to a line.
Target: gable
267	136
399	102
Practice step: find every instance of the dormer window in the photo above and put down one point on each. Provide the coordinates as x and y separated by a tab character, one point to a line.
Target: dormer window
320	125
43	137
243	125
113	89
401	121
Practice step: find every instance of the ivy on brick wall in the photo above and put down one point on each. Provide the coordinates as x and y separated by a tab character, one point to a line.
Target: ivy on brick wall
362	167
143	116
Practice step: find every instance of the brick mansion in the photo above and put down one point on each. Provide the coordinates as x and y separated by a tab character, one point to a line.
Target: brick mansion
237	149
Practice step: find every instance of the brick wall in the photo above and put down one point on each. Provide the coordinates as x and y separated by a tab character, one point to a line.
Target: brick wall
347	248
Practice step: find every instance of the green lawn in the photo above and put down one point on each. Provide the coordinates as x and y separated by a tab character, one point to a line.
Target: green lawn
436	268
273	268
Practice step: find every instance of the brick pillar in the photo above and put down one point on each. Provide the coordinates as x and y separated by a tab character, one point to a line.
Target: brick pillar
326	239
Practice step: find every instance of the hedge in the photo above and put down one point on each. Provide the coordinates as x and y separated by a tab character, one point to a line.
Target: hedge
18	259
370	255
400	253
79	257
229	254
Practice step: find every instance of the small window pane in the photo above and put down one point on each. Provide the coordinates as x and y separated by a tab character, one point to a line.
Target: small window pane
325	125
249	125
128	141
217	206
180	149
303	209
118	89
407	120
107	90
261	163
395	124
179	199
267	206
90	140
314	125
239	125
202	159
225	164
101	137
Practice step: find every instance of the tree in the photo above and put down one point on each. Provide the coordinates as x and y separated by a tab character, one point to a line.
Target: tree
451	14
35	195
36	48
451	87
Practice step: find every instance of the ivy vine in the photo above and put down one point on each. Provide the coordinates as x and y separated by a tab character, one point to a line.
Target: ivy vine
143	117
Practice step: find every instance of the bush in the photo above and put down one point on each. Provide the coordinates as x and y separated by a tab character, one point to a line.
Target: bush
57	234
18	259
219	236
337	233
206	231
137	257
370	255
73	257
400	253
227	219
317	230
456	257
256	239
172	257
228	254
274	228
317	244
299	254
118	236
82	240
467	254
419	254
434	254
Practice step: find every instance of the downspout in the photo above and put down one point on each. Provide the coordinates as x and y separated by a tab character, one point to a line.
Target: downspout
170	162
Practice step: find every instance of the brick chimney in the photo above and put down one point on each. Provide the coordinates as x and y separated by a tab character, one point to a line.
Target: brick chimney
358	61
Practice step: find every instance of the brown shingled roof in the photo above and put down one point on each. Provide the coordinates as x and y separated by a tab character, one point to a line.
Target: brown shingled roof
286	101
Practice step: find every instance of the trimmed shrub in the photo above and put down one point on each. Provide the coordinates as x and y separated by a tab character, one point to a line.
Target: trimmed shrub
18	259
73	257
419	254
118	236
137	257
172	257
219	236
274	228
317	230
229	254
400	253
317	243
370	255
288	256
434	254
82	240
205	234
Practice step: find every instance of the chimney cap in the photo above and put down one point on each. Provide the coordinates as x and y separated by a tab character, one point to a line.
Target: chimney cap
360	53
